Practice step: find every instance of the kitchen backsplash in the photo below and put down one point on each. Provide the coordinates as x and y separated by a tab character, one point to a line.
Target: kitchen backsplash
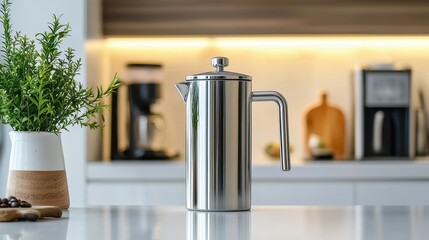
299	69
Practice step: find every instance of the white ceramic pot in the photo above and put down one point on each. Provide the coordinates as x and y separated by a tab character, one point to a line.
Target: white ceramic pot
36	169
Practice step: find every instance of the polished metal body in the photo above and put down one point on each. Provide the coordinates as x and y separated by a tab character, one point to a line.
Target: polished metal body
218	138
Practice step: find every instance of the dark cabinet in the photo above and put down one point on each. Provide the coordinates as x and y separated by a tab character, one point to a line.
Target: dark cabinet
231	17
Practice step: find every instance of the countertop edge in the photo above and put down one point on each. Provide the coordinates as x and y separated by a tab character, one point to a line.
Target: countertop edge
324	171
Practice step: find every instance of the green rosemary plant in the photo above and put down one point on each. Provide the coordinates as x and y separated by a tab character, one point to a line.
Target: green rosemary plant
38	90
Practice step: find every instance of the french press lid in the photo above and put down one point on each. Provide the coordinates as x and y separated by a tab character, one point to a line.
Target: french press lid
219	74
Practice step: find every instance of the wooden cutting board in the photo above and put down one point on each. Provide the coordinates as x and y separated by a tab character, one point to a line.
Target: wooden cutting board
328	123
29	214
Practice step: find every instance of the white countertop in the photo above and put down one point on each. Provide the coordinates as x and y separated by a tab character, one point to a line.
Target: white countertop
274	223
320	170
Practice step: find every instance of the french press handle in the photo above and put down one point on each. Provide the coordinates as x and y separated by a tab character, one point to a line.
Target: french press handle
262	96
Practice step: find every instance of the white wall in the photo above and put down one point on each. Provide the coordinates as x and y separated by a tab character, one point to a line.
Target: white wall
4	157
30	17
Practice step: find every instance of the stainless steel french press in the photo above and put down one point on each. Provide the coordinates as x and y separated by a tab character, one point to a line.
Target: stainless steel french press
218	137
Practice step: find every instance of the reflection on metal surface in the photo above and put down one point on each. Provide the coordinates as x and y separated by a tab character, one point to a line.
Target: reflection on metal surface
218	137
218	146
218	225
149	129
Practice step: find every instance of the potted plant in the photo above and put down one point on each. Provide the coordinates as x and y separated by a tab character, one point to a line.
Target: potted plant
40	98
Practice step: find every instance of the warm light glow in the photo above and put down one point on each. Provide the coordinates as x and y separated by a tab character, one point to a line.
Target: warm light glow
157	42
324	42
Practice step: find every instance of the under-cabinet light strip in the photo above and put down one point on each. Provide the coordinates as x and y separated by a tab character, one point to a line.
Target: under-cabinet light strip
272	42
157	42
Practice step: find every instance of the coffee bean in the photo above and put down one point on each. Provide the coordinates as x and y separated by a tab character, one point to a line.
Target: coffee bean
13	202
25	204
31	217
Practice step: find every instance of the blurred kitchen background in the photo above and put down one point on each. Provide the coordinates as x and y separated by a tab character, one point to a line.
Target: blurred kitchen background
300	49
298	67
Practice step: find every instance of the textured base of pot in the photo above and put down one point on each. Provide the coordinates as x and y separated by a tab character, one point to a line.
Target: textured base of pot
40	188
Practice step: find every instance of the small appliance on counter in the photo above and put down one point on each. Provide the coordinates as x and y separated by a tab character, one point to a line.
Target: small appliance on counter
145	128
383	113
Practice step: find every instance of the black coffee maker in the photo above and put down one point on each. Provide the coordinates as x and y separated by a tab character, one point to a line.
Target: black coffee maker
145	128
382	114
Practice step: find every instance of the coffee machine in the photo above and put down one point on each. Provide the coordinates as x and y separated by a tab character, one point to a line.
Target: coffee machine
383	113
144	127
